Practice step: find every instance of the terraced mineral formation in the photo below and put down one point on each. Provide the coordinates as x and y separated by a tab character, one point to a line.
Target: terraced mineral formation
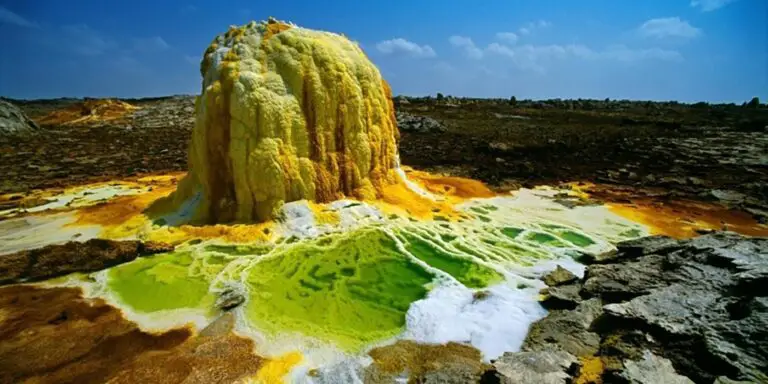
368	272
286	113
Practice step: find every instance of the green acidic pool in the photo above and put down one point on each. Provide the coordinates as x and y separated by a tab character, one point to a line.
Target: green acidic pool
470	274
576	238
352	289
164	281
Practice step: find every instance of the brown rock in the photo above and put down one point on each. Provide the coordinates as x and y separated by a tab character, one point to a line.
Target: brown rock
57	260
153	247
561	297
425	363
54	335
559	276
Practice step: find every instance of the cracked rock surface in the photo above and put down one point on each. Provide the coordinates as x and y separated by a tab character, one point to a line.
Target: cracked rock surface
661	311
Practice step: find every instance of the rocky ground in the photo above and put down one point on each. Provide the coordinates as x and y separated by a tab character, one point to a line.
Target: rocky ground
704	152
55	335
711	153
151	139
57	260
658	311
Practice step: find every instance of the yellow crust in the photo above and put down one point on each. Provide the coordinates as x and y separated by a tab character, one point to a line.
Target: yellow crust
285	114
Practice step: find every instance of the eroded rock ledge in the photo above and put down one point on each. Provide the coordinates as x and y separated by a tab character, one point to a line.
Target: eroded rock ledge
61	259
657	311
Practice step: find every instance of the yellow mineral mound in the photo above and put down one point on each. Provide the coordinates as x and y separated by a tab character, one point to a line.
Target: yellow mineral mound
286	113
87	112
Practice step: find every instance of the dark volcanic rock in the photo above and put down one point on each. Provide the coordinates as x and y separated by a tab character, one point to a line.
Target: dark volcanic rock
652	370
420	124
559	276
57	260
598	258
231	297
677	311
561	297
647	245
567	330
616	282
549	366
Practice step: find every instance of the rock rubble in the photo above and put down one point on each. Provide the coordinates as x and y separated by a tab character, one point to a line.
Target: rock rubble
658	311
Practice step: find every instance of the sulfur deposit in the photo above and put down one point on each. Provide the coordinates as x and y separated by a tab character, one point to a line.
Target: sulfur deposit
286	113
92	111
370	273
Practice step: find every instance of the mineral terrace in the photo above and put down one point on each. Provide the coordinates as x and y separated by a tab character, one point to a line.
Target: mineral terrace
296	223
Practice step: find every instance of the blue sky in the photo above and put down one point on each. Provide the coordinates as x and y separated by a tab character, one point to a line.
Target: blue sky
688	50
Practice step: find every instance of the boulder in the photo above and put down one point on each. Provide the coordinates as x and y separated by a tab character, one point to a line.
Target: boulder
701	306
561	297
548	366
452	363
652	369
400	100
407	122
231	297
622	281
566	330
13	121
560	276
647	245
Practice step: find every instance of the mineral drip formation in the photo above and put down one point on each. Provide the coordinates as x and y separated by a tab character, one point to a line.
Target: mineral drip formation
286	113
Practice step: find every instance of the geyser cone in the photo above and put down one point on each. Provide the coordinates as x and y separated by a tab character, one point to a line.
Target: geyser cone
287	113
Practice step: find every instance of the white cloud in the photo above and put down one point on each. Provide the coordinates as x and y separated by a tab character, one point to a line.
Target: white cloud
403	46
530	27
710	5
501	49
509	37
535	57
8	17
86	41
623	53
531	57
668	27
467	45
150	44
